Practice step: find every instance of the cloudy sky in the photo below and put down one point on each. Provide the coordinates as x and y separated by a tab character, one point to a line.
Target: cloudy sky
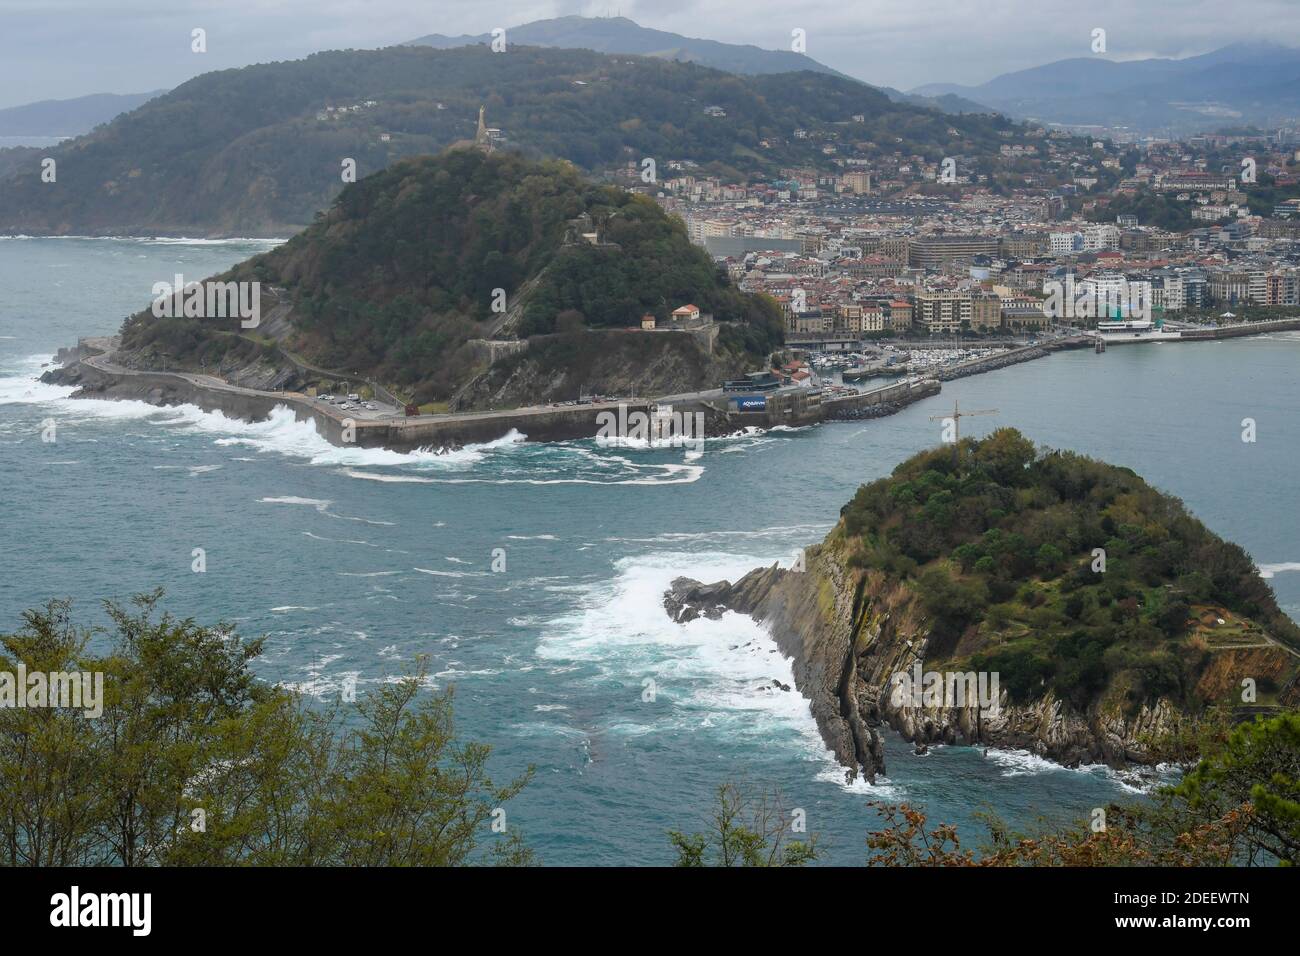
55	49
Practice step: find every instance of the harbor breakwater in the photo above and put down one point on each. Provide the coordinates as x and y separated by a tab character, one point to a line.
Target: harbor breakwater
1237	331
997	360
90	368
96	378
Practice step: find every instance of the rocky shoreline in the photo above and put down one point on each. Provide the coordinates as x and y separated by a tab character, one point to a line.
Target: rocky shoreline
850	631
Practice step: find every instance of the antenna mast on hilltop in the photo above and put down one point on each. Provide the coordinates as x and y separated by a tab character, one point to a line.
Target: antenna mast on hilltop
956	417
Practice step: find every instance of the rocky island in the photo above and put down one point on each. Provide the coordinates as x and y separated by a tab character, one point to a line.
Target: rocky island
1103	616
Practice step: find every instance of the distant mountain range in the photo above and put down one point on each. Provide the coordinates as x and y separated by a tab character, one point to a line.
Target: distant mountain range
69	117
1245	83
621	35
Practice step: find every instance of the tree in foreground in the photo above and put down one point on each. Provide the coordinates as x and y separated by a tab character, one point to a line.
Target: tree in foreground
1238	805
193	761
744	830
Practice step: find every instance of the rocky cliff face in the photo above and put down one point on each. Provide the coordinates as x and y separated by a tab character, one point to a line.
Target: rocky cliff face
851	631
560	368
812	614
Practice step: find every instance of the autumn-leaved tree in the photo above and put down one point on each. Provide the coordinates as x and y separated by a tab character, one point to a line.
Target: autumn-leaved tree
1239	804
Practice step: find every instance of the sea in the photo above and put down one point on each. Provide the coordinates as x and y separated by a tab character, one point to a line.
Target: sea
531	576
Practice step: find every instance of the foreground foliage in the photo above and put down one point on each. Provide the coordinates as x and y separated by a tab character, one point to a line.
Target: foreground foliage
195	762
744	830
1239	805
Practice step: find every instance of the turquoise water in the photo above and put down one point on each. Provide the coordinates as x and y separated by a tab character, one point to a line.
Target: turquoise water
354	561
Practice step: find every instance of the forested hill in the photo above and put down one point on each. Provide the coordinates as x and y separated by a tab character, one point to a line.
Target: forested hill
401	273
1071	575
258	150
1103	622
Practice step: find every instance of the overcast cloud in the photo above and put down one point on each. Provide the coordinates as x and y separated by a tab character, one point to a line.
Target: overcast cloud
55	49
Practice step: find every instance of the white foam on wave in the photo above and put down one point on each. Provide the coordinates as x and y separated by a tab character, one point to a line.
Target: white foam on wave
23	386
710	676
1269	570
146	240
322	506
1023	763
785	533
667	475
366	544
453	574
1286	335
575	463
281	432
388	479
882	789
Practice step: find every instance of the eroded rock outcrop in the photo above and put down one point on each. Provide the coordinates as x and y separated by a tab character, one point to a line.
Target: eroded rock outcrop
850	631
811	614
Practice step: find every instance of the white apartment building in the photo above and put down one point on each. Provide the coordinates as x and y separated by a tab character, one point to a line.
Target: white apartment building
1257	287
1065	243
701	229
1101	237
1172	294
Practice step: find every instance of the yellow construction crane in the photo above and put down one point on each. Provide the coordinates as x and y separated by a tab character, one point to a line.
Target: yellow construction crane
956	417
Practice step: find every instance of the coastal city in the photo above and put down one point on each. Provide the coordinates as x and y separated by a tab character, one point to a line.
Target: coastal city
886	249
769	435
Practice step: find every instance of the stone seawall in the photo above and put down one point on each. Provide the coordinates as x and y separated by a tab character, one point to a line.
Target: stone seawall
879	401
1236	331
98	378
795	408
166	388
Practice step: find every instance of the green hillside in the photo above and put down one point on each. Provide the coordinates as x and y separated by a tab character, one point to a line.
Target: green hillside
1001	555
258	150
400	274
